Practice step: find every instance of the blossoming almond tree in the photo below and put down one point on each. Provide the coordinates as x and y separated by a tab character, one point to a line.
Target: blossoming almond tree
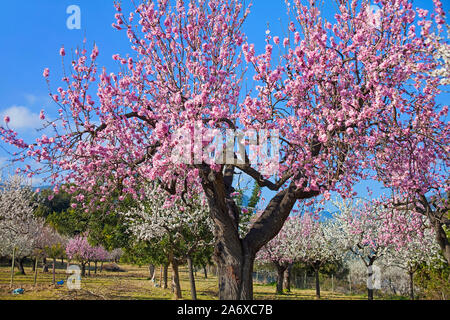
19	228
50	244
344	96
421	248
369	231
427	197
100	255
78	248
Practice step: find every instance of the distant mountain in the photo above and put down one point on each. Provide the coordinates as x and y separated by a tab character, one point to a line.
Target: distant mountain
42	187
325	215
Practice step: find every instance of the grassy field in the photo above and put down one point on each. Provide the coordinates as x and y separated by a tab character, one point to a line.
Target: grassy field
133	284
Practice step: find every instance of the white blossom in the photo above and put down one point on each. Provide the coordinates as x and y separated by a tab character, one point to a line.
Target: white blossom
19	228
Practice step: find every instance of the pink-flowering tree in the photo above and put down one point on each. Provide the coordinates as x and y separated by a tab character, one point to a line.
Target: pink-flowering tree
19	228
282	251
100	255
79	249
345	96
369	230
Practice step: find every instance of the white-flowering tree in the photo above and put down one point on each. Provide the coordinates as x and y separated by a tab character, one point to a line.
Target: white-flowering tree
182	226
369	230
420	249
317	244
19	228
282	251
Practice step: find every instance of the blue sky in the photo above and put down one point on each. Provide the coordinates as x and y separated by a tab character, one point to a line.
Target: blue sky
34	30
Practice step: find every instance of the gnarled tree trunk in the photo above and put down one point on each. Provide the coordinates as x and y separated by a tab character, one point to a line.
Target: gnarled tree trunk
281	268
192	278
176	280
234	256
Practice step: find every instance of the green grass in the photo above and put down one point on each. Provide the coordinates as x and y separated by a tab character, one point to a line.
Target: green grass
134	285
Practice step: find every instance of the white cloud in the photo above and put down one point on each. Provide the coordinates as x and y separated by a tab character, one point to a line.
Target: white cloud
21	118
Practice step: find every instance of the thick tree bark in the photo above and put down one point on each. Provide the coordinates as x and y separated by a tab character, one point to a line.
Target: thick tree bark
95	267
89	268
205	271
176	281
280	277
234	256
192	279
83	269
